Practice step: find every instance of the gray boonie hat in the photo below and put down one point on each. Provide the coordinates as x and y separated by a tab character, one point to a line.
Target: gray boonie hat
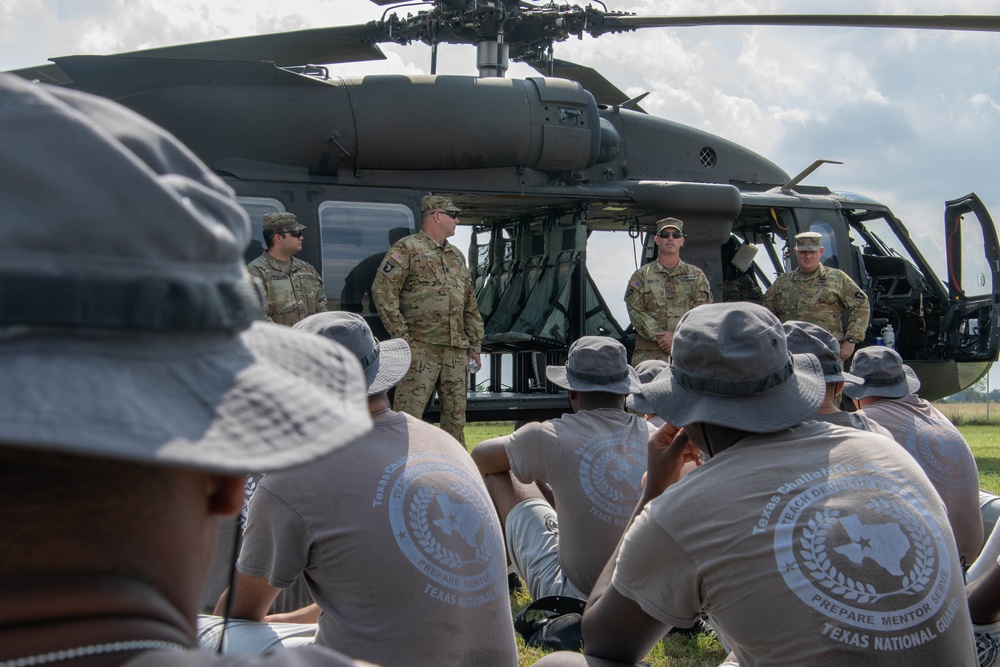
282	222
648	371
808	242
884	372
669	222
730	366
434	202
384	363
596	363
806	337
120	340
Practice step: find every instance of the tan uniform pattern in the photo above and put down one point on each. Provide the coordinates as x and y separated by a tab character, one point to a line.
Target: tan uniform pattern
821	297
656	299
423	293
294	289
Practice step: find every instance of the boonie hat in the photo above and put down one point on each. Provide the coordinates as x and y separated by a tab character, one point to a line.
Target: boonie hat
384	363
648	371
730	366
434	202
275	222
669	222
806	337
126	315
808	242
596	363
884	372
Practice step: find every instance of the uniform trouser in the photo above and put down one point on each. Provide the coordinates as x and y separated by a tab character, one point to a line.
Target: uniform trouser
441	366
641	355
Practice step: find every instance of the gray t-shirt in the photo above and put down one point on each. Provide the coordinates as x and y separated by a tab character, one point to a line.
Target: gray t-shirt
852	420
400	546
816	545
594	461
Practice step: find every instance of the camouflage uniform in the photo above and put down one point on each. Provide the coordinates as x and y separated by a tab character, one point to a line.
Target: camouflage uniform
657	297
294	289
821	297
423	293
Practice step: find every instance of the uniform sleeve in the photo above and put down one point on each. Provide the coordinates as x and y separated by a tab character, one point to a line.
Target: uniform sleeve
276	541
657	574
258	273
388	283
703	290
321	306
858	308
473	319
643	323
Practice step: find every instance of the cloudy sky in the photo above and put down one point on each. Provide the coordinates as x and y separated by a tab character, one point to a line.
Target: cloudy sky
913	115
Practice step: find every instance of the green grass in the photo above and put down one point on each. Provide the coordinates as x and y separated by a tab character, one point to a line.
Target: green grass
704	650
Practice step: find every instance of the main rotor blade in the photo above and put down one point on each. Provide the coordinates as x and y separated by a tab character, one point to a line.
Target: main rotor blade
603	90
314	46
979	23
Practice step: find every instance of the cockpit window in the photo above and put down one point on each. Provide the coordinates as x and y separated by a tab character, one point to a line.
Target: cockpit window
257	208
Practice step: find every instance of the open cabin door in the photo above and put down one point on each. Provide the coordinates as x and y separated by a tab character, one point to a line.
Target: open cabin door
972	324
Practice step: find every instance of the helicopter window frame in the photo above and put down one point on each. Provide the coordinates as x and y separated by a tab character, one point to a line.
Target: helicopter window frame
355	233
256	208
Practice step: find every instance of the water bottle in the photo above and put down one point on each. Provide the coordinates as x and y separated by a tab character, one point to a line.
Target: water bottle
474	366
879	340
889	336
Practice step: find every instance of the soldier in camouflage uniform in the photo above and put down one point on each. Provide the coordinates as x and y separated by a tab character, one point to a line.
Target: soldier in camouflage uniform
423	293
819	294
294	289
660	292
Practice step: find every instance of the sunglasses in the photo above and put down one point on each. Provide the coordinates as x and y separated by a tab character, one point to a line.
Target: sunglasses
451	214
670	235
296	234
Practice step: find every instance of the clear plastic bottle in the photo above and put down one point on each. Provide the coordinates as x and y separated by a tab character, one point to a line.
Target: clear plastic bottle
889	336
474	366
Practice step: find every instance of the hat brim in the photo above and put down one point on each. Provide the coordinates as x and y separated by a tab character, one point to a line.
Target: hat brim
266	399
628	385
393	365
639	404
843	376
788	404
898	390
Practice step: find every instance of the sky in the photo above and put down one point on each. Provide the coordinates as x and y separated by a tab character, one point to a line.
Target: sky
913	115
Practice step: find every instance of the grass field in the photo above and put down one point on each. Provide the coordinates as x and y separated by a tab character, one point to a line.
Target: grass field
705	650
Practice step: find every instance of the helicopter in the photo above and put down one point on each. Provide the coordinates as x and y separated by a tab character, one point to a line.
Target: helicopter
543	167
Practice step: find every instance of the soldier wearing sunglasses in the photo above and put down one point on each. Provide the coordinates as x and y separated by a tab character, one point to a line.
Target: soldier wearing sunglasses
294	288
661	291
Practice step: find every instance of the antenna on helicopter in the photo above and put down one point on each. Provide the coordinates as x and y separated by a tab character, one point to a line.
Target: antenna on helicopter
795	180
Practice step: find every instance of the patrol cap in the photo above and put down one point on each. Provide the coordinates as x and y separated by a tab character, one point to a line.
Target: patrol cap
286	222
808	242
669	222
434	202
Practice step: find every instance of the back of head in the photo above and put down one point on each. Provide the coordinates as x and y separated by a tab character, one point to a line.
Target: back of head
127	329
730	366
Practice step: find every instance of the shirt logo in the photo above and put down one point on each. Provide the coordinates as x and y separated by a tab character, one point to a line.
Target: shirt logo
610	479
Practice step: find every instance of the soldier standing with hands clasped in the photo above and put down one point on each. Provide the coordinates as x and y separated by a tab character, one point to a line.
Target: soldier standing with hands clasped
424	295
820	295
660	292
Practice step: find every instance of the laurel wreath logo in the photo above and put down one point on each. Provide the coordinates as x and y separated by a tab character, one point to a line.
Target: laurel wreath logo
424	536
598	475
826	574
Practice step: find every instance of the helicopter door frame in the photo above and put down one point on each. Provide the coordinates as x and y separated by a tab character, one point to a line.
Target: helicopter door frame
962	306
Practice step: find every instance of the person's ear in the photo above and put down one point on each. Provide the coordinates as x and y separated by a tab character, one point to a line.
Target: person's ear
225	495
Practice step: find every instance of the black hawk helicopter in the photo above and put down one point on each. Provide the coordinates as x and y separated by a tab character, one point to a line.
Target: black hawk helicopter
540	166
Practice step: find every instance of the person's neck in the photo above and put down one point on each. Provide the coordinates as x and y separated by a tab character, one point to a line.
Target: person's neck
436	236
669	261
279	255
379	406
46	613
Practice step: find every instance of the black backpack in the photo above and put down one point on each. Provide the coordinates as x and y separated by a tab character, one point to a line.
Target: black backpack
552	622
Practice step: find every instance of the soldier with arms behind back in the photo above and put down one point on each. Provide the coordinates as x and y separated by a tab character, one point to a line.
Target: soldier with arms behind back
424	295
294	289
660	292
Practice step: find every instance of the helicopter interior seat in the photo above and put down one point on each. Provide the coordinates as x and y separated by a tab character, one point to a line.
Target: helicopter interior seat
891	276
503	272
528	264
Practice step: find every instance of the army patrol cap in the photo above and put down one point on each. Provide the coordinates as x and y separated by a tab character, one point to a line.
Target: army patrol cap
596	363
808	242
282	222
884	372
806	337
435	203
669	222
120	341
730	365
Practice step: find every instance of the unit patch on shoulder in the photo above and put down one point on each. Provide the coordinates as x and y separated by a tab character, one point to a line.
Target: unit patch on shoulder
392	262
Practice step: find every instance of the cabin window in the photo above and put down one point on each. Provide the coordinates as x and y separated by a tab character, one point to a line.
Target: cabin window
257	208
355	238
